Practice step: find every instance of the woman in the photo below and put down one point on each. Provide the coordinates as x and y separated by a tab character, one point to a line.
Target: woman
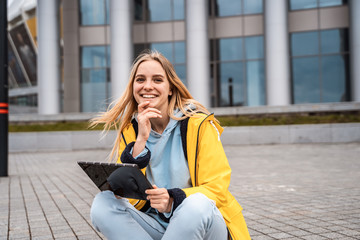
176	143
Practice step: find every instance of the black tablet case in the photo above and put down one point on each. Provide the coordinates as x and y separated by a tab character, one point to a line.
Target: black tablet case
100	171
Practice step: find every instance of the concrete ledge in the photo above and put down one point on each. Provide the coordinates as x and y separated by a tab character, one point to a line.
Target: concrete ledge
224	111
292	134
285	134
62	117
290	109
51	141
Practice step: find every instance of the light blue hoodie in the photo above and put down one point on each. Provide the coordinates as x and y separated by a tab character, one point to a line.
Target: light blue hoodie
168	167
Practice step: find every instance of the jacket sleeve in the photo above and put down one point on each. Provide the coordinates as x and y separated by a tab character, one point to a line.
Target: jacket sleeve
127	137
142	160
212	173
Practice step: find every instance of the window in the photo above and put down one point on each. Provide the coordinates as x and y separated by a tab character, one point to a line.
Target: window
94	12
307	4
320	66
16	75
95	78
159	10
225	8
27	100
175	52
237	71
22	50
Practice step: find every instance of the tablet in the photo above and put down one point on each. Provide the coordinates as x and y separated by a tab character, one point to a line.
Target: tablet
128	181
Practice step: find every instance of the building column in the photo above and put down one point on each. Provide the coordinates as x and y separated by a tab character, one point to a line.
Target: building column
277	53
121	45
71	56
355	49
48	65
197	50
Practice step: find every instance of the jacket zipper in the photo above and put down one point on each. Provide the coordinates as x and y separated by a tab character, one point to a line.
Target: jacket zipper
197	146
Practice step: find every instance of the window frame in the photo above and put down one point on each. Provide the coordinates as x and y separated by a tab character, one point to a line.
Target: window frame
319	55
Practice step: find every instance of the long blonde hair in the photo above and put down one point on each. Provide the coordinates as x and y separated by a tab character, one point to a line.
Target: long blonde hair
120	112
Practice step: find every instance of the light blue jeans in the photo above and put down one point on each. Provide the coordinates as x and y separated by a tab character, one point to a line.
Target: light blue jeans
196	218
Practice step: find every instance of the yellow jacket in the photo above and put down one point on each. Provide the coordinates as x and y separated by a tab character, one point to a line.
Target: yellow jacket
209	170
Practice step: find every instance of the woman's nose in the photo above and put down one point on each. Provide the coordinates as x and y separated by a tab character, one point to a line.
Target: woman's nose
148	84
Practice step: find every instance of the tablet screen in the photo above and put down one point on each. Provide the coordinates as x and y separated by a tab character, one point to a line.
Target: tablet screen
127	181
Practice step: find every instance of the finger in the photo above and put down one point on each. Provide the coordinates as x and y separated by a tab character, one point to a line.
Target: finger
157	198
159	203
157	194
155	191
161	206
142	106
150	109
160	209
147	114
150	114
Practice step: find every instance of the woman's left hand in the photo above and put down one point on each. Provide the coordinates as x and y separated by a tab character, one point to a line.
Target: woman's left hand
159	199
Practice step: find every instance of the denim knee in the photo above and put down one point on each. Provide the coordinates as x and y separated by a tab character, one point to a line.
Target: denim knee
197	217
197	206
103	204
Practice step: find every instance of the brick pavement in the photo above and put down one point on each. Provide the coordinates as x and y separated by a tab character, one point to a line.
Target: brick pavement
308	191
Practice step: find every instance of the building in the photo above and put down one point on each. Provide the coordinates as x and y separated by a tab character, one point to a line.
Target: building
228	52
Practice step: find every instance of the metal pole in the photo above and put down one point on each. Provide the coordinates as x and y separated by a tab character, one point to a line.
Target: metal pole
230	92
4	109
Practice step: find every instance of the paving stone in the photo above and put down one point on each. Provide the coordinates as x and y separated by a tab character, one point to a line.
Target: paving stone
333	235
281	235
298	233
349	232
45	237
299	191
89	237
63	234
263	237
314	237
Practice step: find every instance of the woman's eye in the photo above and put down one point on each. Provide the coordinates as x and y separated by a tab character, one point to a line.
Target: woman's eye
139	80
157	80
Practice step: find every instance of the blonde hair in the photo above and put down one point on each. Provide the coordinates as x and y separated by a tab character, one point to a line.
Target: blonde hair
121	111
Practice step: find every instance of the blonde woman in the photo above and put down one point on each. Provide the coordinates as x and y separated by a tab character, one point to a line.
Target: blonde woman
176	143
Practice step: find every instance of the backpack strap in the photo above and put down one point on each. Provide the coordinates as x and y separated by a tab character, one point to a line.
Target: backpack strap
135	126
183	133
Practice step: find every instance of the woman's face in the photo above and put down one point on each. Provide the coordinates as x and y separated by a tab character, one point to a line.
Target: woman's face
151	84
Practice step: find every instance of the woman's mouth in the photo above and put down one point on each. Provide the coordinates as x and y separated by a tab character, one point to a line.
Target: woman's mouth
148	96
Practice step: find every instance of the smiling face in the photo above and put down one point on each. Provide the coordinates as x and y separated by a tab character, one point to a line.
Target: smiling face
151	84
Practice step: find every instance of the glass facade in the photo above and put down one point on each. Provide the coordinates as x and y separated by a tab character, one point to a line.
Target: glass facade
23	52
28	100
159	10
94	12
175	52
237	71
22	65
320	68
95	78
225	8
16	74
307	4
319	59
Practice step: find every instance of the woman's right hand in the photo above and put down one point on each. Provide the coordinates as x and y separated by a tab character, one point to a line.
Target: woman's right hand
145	113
